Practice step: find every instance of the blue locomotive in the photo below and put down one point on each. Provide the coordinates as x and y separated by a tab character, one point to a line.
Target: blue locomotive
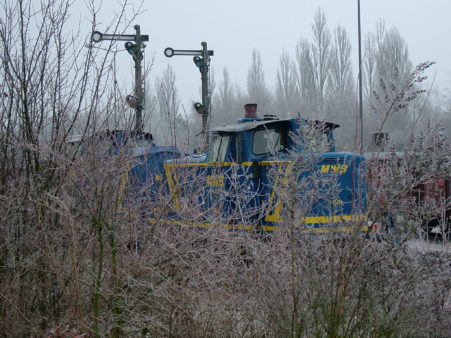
258	174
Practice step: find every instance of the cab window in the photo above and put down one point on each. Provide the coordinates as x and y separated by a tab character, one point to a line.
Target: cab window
218	148
267	141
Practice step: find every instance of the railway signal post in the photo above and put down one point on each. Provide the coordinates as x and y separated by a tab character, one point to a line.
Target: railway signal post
201	59
135	49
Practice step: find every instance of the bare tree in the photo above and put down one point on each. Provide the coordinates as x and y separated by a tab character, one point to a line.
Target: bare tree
287	92
321	57
341	75
168	117
306	79
33	61
226	96
314	62
256	86
387	68
228	102
53	88
341	88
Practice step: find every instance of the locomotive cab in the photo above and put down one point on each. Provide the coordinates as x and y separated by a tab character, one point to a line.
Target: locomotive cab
258	139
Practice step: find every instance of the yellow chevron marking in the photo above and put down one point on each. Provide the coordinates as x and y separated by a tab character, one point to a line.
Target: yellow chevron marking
174	190
282	178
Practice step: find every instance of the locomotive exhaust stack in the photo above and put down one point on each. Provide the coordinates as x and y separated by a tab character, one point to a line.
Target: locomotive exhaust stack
250	110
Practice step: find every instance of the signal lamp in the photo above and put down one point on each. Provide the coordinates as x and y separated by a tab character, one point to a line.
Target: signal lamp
130	47
199	108
198	61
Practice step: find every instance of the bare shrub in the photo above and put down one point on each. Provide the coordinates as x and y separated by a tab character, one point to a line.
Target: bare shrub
82	251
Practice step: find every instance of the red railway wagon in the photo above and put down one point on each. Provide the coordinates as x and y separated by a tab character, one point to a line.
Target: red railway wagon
432	197
436	192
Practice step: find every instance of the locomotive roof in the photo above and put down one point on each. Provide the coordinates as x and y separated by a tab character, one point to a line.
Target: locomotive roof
249	125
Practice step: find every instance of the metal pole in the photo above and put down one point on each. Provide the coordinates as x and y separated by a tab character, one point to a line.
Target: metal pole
202	61
360	78
205	94
137	51
139	95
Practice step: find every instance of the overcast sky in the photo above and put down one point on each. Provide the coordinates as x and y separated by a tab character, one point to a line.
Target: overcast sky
232	28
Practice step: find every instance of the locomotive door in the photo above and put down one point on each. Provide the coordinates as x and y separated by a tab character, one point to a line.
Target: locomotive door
231	190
